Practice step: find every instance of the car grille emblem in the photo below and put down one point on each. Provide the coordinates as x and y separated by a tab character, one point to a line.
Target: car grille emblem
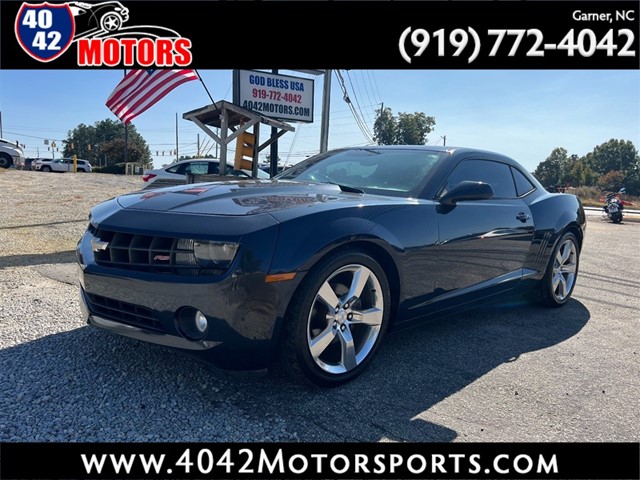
161	258
98	245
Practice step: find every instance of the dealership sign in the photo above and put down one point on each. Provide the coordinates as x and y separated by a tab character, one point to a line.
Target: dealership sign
283	97
103	33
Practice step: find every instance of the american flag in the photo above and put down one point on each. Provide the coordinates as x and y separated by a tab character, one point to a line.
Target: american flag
141	89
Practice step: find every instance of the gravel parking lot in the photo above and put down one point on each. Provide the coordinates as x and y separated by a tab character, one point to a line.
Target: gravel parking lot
504	372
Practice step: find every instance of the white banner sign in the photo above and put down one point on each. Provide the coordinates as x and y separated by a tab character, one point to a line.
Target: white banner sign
273	95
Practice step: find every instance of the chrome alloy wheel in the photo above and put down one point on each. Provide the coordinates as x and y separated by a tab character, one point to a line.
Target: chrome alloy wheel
564	270
345	319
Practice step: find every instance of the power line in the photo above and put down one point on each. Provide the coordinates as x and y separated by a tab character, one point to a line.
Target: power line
358	104
353	111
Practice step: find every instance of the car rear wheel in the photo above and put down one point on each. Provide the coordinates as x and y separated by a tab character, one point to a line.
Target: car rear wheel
559	280
337	319
46	168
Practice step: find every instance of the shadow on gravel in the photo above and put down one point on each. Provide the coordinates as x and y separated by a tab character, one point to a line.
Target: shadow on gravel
13	227
68	256
132	391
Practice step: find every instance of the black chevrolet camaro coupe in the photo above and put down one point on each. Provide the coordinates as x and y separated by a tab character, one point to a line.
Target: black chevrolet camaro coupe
313	267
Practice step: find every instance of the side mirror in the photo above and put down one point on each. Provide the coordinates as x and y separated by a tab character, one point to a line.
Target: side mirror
467	190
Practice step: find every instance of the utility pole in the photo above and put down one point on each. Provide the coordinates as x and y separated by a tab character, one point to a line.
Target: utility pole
273	167
444	138
1	135
198	153
326	99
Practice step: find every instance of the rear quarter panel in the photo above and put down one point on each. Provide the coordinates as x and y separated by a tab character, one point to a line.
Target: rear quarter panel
553	214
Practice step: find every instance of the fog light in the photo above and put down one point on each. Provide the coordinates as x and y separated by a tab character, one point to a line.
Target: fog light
192	323
201	322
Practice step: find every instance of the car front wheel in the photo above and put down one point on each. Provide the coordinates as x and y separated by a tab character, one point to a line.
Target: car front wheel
337	320
560	278
46	168
5	160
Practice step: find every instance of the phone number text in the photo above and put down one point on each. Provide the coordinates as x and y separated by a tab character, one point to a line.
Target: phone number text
512	42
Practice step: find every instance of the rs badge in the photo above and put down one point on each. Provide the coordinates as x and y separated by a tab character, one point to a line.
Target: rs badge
45	30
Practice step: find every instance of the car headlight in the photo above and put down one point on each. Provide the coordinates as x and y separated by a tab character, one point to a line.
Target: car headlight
210	254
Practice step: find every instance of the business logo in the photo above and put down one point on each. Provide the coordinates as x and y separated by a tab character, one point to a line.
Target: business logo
102	34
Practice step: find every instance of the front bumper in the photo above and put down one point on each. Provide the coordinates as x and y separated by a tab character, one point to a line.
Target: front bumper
244	313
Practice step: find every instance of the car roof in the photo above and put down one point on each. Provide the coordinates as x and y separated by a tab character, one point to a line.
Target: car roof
453	151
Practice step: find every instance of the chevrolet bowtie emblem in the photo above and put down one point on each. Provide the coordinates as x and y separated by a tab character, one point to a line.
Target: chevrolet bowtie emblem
98	245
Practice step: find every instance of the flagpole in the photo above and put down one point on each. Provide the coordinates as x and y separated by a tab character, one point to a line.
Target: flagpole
205	87
126	138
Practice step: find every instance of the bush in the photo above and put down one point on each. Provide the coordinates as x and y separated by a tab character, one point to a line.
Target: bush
118	169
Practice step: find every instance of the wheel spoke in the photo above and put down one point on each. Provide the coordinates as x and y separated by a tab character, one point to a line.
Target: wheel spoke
360	277
562	287
328	296
568	268
556	281
348	349
320	343
566	252
371	317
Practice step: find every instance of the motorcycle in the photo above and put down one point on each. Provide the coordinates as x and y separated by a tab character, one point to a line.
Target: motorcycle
613	207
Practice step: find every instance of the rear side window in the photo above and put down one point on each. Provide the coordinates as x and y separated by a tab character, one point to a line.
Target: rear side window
178	169
496	174
523	185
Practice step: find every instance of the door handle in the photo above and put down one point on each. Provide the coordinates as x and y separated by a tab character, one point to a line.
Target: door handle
523	217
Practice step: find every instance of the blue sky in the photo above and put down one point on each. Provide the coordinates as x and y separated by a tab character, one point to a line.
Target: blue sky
522	113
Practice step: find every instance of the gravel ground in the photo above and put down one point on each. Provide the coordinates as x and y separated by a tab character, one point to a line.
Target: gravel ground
511	372
49	357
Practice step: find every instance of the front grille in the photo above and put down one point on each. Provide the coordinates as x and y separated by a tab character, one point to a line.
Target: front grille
123	312
146	253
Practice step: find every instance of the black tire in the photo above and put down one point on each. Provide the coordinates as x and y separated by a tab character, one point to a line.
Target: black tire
5	160
310	320
46	168
559	280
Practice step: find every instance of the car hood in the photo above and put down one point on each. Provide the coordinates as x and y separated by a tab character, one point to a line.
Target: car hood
248	197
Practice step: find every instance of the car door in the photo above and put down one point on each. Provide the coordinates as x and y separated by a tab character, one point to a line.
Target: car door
67	164
59	165
482	244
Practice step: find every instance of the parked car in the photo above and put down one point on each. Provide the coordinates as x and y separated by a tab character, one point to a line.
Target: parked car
314	267
201	166
10	154
60	165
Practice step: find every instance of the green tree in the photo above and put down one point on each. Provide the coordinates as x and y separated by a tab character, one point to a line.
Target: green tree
103	143
405	129
385	128
580	174
612	181
614	155
553	169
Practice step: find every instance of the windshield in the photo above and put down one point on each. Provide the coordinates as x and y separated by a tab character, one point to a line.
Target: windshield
396	172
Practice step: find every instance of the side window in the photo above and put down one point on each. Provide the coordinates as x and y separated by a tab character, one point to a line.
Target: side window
213	168
496	174
178	169
197	168
523	185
